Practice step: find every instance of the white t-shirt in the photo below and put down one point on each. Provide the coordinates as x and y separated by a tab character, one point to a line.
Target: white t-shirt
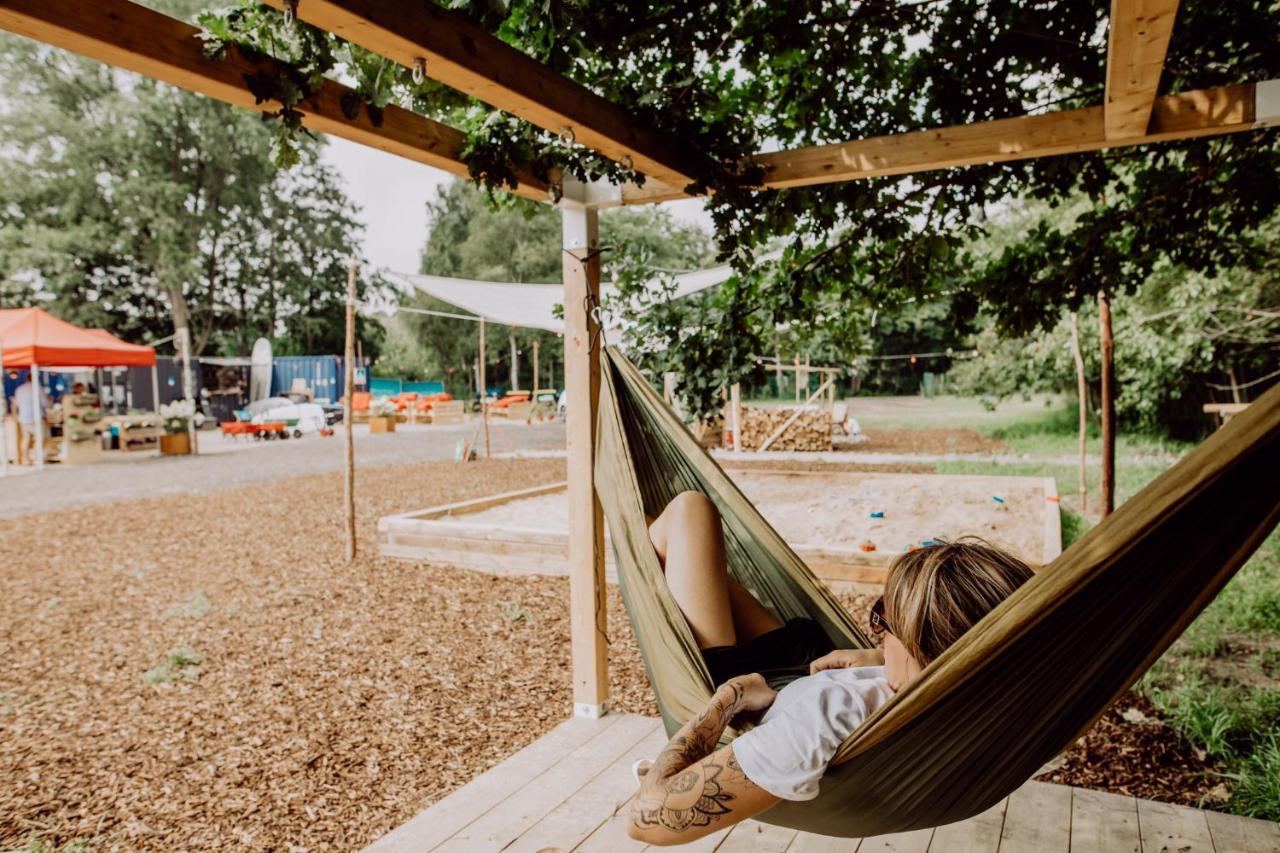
789	751
25	398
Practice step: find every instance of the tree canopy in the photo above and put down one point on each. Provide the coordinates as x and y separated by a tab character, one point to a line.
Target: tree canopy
128	205
742	76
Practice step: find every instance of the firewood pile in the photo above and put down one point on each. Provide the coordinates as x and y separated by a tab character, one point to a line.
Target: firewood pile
811	429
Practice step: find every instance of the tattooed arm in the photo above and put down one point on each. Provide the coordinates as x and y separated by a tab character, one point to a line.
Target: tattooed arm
693	789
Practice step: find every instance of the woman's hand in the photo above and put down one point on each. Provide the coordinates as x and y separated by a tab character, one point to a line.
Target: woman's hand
749	693
846	658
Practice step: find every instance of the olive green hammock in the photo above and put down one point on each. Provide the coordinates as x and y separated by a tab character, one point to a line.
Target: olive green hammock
1019	687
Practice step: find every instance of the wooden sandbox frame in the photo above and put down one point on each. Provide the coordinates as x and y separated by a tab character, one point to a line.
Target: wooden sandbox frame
443	535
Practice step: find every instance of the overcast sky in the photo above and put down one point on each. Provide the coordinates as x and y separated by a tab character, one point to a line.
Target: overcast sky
392	194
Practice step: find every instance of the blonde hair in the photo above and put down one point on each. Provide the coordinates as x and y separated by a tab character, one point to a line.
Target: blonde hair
934	594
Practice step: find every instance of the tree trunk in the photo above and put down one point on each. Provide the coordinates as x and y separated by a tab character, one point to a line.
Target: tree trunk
1082	393
1108	405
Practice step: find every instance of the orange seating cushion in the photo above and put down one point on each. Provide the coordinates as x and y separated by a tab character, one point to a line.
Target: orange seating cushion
360	401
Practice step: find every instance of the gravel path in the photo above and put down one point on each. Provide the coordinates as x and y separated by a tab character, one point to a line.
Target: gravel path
225	464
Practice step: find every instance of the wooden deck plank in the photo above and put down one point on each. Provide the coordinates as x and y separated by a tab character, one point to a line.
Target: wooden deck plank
1037	820
611	837
505	822
1167	828
1103	823
566	791
807	842
978	834
436	823
916	841
609	793
1235	834
754	837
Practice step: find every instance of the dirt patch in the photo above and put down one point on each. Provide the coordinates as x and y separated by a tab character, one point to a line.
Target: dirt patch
1130	750
942	440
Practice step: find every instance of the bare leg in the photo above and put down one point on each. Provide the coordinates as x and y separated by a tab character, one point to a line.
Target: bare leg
690	544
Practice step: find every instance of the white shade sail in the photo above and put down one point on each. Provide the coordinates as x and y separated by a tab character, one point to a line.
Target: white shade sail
533	306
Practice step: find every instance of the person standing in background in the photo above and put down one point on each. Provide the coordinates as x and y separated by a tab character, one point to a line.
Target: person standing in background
30	402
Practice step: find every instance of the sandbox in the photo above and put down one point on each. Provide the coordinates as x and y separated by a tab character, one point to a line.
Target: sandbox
830	519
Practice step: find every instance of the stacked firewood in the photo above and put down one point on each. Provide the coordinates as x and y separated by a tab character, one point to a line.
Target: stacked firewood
811	429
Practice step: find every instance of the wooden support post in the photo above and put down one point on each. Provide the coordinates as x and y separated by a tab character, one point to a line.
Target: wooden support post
1082	391
536	345
735	409
797	378
484	392
587	606
348	416
1108	405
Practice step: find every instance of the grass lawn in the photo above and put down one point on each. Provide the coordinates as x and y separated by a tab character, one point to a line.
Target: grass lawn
1220	683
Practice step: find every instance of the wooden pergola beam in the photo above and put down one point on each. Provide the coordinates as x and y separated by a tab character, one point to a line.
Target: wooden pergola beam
465	57
1137	41
1202	112
130	36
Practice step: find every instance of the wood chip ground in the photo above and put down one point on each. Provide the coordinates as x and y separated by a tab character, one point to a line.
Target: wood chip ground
205	672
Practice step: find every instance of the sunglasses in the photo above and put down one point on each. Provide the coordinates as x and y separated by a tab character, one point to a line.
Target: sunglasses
877	620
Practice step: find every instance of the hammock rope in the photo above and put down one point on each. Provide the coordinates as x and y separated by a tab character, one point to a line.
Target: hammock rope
1016	689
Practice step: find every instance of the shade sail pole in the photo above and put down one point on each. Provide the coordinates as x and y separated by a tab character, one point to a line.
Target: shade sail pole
348	417
587	606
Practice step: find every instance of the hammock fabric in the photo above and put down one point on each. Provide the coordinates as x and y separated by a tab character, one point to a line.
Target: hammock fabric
1019	687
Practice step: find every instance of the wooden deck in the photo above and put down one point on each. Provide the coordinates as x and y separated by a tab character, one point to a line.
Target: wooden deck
568	791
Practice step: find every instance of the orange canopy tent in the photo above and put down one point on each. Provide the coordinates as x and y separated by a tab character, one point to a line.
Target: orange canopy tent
33	336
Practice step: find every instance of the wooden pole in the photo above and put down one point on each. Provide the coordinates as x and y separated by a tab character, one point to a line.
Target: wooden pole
1108	405
348	416
735	408
587	607
797	378
484	394
536	345
1082	391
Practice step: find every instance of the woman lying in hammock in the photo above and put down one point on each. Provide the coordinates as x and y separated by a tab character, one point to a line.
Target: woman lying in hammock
931	597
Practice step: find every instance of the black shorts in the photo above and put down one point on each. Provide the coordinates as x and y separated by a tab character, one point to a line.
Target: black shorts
781	655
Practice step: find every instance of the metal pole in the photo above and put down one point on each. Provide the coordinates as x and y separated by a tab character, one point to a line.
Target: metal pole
39	400
349	442
155	389
484	396
4	419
